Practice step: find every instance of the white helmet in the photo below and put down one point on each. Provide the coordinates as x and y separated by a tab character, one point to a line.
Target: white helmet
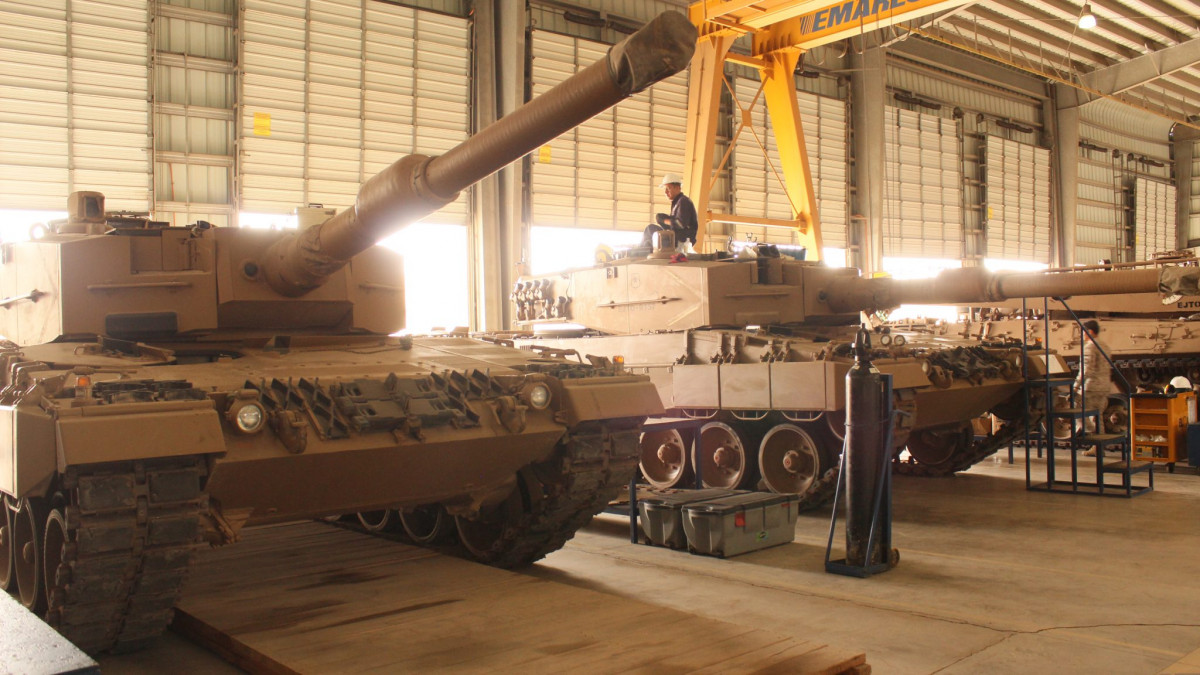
671	178
1181	383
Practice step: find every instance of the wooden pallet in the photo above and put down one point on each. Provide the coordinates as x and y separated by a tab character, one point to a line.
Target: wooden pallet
312	598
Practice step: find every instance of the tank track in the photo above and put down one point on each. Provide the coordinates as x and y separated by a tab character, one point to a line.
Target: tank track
595	463
966	457
1151	370
132	532
820	492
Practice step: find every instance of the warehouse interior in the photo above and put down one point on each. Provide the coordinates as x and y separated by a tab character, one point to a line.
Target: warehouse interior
197	317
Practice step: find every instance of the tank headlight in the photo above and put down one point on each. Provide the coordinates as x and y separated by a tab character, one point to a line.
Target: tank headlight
539	396
247	416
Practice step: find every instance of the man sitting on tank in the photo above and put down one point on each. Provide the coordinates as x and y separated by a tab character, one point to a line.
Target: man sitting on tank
682	219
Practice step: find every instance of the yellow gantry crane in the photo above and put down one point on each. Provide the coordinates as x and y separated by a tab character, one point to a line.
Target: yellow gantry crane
781	31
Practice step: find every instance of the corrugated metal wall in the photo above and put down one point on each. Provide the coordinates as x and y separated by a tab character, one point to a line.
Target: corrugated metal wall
194	95
983	111
1100	207
451	7
74	102
1194	210
1153	217
1107	122
604	174
954	90
757	179
551	16
1018	218
923	195
1118	145
335	90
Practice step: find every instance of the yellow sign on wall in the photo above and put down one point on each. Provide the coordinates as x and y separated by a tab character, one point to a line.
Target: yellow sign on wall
262	124
544	154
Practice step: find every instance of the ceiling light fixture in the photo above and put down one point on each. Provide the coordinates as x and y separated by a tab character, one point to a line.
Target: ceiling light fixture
1087	20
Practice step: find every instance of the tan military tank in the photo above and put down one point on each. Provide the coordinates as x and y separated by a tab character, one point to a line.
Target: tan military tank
166	387
756	350
1151	339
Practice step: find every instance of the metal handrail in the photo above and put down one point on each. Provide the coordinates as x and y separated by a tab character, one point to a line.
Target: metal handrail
1125	393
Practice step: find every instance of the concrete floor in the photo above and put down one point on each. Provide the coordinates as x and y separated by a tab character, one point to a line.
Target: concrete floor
992	579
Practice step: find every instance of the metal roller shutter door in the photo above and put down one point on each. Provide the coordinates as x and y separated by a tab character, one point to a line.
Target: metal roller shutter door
1194	206
1154	217
195	120
922	214
74	103
757	190
1018	201
335	90
604	174
1099	213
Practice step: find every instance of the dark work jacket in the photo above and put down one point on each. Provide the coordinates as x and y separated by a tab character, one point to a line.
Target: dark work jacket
683	214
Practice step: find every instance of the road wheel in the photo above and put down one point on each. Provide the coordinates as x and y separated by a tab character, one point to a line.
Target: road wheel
427	525
720	456
789	459
664	457
30	522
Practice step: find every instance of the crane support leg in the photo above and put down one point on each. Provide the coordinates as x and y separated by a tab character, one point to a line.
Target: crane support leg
704	106
779	88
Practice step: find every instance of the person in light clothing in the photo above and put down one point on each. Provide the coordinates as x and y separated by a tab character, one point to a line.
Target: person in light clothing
1094	382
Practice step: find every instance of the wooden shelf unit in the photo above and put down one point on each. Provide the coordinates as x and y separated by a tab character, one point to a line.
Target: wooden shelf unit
1159	425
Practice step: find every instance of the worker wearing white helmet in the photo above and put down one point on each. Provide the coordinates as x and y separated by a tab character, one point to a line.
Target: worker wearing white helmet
682	218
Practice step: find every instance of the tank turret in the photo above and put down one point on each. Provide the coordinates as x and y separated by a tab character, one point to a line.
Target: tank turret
1150	337
92	277
631	295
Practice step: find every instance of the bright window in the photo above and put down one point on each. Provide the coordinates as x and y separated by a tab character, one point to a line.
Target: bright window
435	275
997	265
435	269
15	224
267	221
563	248
920	268
834	257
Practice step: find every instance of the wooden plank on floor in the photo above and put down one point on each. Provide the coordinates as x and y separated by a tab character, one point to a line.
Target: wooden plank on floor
1188	664
311	598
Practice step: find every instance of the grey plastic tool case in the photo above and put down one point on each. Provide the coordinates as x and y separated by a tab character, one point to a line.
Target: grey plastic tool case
661	515
713	528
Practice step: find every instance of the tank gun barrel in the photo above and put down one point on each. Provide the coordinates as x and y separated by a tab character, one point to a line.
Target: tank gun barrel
417	185
974	285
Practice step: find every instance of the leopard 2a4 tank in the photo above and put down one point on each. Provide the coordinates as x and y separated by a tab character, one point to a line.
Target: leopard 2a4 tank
1149	339
756	351
164	387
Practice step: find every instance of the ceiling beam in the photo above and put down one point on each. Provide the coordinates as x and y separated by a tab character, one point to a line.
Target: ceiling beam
1032	33
1019	47
953	60
1140	70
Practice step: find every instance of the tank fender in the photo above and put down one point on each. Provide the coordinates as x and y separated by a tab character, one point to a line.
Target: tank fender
904	374
92	434
27	457
588	399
